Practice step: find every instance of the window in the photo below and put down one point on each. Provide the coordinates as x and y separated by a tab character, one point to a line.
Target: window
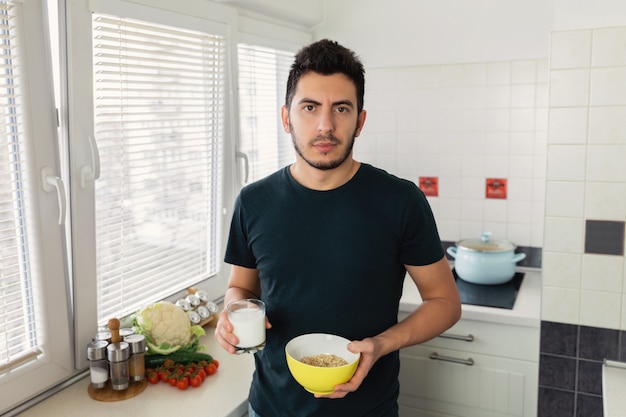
148	110
143	142
33	296
19	336
263	76
159	130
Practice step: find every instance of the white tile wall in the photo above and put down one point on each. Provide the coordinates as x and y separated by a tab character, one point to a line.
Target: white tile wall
607	86
608	47
465	123
569	87
570	49
585	177
555	128
598	309
607	124
568	125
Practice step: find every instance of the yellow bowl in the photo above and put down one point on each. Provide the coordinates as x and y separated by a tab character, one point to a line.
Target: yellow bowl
315	379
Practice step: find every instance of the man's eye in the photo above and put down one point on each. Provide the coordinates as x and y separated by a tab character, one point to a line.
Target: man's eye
342	109
309	107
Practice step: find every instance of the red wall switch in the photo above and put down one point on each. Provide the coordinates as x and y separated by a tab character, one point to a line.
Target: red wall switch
429	186
495	188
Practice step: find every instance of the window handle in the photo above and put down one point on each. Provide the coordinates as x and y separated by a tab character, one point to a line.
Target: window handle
91	172
244	156
50	182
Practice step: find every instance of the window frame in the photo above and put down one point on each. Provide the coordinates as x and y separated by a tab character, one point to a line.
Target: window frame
211	18
255	33
48	256
260	164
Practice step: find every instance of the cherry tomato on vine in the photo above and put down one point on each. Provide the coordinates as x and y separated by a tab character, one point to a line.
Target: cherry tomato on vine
211	369
153	377
202	373
183	383
195	381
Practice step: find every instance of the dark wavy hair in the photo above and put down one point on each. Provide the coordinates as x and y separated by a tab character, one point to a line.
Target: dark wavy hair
326	57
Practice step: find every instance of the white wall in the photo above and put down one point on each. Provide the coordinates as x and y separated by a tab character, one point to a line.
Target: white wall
408	32
395	33
458	93
586	176
586	14
413	50
460	90
464	123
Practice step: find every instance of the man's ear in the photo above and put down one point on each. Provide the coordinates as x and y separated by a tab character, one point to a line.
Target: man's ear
360	122
284	116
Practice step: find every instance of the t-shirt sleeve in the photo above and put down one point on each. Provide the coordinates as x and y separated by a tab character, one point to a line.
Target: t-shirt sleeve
237	249
421	243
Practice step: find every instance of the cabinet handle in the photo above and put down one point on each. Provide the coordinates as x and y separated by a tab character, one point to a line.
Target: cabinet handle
465	338
438	357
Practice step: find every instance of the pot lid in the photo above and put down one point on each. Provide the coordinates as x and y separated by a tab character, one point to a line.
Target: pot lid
485	244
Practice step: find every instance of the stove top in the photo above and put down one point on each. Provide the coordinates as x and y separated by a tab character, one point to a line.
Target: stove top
498	296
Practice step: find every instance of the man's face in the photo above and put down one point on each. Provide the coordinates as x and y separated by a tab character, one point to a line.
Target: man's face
323	119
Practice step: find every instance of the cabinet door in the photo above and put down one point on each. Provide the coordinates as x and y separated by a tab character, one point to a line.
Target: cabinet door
497	339
489	387
416	412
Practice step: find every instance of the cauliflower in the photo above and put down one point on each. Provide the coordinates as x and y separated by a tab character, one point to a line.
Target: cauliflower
167	329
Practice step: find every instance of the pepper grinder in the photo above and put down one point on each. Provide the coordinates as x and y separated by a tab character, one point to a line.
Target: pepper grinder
118	353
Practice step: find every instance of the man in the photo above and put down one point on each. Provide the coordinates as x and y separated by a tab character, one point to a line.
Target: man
326	242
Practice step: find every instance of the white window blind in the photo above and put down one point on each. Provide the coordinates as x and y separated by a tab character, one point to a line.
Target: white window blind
263	76
19	339
159	96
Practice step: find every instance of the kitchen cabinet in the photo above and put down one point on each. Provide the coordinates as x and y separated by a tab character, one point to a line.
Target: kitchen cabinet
487	365
476	369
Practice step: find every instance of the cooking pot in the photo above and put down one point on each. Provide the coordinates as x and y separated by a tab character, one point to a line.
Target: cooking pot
485	261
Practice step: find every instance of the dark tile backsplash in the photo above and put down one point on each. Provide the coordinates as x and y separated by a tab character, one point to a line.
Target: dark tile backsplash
556	403
589	377
604	237
588	405
570	368
558	339
557	372
597	344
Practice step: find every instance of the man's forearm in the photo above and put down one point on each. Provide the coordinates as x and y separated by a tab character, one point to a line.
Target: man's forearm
429	320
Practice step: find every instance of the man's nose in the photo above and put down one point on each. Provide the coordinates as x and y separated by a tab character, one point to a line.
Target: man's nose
325	122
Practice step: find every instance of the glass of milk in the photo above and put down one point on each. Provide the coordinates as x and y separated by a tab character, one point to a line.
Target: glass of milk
248	320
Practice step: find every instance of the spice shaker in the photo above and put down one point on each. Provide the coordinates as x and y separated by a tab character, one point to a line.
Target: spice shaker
98	366
136	365
102	336
118	353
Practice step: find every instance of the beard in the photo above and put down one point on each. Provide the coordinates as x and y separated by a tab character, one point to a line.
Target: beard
323	165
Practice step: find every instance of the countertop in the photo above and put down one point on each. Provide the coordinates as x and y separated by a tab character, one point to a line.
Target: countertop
525	312
613	388
224	394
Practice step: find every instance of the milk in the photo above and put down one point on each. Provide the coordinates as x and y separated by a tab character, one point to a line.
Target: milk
249	326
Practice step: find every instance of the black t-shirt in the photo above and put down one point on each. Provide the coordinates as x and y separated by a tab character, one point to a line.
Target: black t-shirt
332	262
